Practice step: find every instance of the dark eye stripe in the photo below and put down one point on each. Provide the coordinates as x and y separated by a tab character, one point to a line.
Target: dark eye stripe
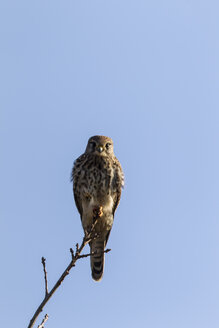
92	143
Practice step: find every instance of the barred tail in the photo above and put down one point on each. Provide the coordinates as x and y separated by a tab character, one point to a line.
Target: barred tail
97	260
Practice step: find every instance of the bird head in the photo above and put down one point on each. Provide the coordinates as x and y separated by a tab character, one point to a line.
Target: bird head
100	145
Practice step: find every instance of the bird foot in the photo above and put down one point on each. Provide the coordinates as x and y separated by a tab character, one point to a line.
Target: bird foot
98	211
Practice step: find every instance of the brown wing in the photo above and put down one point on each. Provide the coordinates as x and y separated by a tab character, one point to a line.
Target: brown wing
76	172
78	203
118	183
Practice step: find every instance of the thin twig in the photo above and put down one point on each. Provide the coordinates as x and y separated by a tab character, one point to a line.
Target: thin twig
93	253
44	321
43	260
87	238
72	253
77	248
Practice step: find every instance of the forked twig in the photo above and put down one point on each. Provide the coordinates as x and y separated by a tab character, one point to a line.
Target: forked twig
74	257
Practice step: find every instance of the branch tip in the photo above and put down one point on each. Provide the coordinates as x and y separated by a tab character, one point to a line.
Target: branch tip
44	321
43	260
72	254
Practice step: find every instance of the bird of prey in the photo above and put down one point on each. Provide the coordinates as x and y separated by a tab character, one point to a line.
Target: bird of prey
97	183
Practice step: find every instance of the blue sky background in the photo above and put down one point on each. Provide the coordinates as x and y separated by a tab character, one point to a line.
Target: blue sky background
146	74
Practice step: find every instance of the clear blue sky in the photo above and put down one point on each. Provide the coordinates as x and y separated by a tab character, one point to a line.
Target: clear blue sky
145	73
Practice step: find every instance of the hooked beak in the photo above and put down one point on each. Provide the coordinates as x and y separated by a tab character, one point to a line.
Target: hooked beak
100	149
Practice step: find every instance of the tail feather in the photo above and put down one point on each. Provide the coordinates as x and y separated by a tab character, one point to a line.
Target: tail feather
97	260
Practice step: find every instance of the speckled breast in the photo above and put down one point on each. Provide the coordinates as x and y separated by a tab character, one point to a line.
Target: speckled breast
96	175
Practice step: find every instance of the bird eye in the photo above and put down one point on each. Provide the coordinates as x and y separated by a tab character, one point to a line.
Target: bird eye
108	145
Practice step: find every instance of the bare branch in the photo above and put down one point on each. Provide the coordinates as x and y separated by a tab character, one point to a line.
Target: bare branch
43	260
48	294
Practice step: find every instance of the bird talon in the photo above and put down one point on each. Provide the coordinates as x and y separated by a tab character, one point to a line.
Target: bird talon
98	211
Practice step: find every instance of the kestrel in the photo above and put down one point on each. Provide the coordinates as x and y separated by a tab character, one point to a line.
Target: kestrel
97	183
